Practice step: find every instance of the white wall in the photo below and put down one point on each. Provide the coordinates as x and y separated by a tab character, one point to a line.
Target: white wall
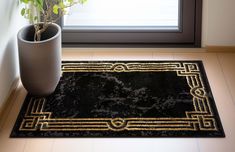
218	23
10	22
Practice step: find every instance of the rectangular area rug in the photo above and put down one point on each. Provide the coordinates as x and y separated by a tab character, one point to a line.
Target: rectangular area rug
124	99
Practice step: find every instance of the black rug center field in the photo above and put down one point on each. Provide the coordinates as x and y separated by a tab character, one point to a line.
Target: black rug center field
124	99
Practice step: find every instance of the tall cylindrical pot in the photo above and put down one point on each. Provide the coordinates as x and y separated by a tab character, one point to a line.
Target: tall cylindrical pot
40	61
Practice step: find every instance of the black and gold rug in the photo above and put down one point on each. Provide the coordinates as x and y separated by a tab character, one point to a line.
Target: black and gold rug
124	99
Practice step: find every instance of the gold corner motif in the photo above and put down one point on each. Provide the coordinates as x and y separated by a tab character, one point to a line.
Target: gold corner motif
200	119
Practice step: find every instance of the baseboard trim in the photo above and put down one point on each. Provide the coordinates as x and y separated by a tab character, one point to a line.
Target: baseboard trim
11	95
209	49
67	50
221	49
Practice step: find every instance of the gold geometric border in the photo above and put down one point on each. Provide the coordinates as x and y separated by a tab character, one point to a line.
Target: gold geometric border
200	119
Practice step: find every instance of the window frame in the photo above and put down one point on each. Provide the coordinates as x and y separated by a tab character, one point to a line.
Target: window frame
188	35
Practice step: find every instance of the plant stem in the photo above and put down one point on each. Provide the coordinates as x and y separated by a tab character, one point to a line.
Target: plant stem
47	13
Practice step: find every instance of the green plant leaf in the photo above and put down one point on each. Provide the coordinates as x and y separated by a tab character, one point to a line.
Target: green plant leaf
27	11
82	1
22	11
39	3
34	8
24	1
31	18
35	18
61	4
55	9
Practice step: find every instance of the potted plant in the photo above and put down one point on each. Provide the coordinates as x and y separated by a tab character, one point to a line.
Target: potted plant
39	44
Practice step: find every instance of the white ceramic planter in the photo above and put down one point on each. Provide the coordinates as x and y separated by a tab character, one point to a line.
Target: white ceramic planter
40	61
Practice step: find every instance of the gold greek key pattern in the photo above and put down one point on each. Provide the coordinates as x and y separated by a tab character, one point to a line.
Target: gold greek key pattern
201	118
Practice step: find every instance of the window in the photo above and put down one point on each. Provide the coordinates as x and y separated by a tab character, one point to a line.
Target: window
134	23
124	14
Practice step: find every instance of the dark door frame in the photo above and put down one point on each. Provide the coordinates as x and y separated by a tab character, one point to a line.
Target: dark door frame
188	35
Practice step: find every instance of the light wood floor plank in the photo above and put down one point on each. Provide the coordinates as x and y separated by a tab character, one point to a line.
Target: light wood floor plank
123	55
162	56
38	145
12	144
188	56
73	145
146	144
225	107
227	62
223	93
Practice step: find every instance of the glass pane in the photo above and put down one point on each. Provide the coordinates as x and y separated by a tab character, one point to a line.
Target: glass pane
124	13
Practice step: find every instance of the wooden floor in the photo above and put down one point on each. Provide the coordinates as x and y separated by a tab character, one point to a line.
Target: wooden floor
220	69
